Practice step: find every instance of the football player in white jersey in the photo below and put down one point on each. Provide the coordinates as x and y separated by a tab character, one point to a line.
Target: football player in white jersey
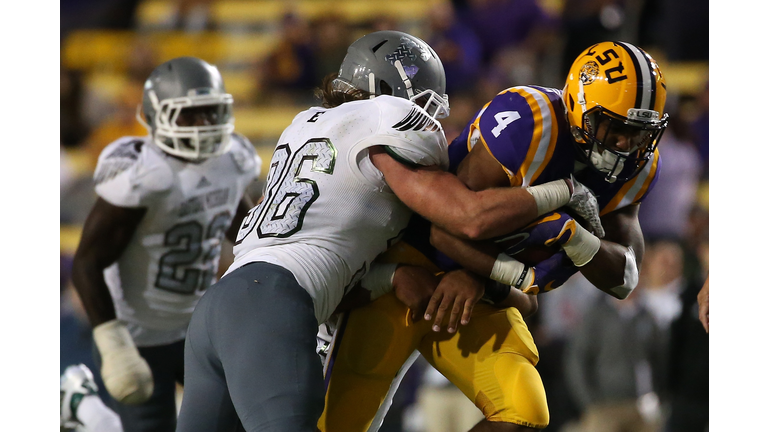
327	213
152	241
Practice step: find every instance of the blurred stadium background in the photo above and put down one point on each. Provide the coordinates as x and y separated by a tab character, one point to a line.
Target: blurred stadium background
273	53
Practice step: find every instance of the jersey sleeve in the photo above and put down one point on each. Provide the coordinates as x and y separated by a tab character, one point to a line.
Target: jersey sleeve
409	134
519	128
129	174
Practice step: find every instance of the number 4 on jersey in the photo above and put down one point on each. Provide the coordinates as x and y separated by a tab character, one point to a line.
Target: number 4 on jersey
503	119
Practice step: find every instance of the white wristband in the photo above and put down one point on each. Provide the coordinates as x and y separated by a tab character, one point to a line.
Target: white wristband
112	336
582	246
510	271
550	196
379	279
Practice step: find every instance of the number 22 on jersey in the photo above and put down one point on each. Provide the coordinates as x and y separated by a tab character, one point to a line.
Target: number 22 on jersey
288	194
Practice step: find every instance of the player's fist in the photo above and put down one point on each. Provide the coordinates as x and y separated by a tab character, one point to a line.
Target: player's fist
126	374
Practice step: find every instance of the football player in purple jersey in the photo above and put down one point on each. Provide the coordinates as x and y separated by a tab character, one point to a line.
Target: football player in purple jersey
602	129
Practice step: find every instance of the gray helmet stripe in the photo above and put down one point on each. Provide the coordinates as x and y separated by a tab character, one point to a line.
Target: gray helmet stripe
372	84
646	83
404	77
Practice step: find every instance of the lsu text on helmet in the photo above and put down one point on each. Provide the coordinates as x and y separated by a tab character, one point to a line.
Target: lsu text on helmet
394	63
614	99
187	110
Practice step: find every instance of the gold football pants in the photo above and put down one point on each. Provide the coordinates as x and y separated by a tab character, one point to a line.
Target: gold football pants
491	360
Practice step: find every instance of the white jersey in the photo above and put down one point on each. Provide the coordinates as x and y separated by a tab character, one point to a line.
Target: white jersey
327	211
174	254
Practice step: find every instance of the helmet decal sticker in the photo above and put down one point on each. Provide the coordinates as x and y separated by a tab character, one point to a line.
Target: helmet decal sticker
589	72
410	71
402	51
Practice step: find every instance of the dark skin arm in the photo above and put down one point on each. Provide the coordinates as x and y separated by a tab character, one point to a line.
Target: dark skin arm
245	205
622	229
605	270
106	234
413	286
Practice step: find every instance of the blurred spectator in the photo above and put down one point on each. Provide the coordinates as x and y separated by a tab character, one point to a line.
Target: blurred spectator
688	377
662	281
103	14
515	34
501	24
664	213
700	126
457	45
193	16
587	22
382	22
117	117
73	126
683	18
289	70
444	408
615	366
464	106
331	36
559	314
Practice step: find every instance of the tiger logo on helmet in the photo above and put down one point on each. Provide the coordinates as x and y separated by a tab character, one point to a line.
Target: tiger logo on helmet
616	88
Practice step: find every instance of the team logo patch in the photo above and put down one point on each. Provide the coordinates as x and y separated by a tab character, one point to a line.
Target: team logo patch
589	72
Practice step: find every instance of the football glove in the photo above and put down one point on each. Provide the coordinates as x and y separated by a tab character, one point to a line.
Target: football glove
584	203
126	374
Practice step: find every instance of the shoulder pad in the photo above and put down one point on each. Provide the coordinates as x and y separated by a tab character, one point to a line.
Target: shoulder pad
117	157
244	155
130	169
409	134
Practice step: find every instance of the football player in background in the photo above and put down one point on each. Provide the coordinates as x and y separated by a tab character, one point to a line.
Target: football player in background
327	213
603	128
151	243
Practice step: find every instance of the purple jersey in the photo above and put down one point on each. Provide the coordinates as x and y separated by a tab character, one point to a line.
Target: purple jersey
525	130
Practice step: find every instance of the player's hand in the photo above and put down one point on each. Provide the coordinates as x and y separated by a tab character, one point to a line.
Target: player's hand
584	203
703	300
552	229
126	374
455	296
414	286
